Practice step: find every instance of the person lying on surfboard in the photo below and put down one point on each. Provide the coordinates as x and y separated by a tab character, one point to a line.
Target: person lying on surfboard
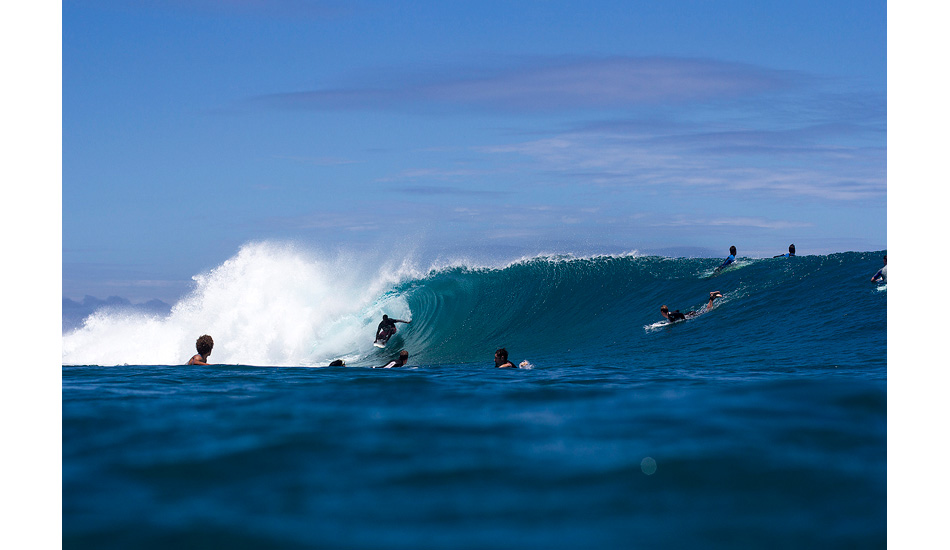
673	316
399	362
386	328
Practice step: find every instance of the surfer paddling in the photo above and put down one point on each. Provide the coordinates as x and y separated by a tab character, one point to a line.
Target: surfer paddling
204	346
791	252
398	362
729	259
881	274
673	316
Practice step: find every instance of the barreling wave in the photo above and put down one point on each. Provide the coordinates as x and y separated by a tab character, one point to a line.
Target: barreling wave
281	305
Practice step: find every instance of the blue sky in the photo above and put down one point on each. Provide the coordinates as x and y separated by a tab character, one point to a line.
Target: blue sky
492	129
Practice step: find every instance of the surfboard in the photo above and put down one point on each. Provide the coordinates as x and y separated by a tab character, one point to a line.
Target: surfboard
383	340
738	264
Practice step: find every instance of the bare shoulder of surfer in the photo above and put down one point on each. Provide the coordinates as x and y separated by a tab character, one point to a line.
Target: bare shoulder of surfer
203	345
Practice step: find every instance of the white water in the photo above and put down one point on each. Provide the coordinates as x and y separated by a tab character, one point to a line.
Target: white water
271	304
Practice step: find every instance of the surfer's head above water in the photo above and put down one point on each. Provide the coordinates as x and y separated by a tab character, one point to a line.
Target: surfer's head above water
204	344
732	250
501	358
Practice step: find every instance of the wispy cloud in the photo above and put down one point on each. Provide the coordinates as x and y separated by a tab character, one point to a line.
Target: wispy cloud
318	161
826	161
748	222
549	84
442	174
443	190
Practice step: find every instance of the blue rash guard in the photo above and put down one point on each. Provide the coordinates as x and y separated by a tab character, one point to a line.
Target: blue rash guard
728	261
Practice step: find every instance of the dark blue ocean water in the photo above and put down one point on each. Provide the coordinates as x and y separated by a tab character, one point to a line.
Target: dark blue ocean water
761	423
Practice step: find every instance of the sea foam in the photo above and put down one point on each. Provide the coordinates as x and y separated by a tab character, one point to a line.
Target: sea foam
270	304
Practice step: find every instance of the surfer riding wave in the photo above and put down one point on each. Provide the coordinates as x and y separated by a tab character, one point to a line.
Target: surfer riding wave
386	328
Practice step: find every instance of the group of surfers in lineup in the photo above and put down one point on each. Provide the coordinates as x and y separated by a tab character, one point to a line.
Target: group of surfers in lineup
387	327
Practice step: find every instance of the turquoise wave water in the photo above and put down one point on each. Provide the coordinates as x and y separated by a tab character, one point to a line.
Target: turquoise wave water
819	311
274	306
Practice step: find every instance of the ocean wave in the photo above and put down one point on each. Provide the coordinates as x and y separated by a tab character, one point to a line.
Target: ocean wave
278	304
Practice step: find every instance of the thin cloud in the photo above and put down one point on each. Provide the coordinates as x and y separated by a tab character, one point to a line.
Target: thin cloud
434	174
827	161
745	222
435	190
318	161
551	85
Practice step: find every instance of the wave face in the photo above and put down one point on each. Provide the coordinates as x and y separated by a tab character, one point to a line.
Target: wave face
282	305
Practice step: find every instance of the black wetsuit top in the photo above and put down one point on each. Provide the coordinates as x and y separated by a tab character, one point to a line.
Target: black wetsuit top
388	328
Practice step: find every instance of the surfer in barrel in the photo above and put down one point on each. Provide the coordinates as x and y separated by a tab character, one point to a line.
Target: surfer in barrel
673	316
386	328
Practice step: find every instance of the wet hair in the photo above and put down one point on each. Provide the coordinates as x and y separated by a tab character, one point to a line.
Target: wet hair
732	250
664	308
204	344
337	363
791	248
385	317
404	354
503	353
